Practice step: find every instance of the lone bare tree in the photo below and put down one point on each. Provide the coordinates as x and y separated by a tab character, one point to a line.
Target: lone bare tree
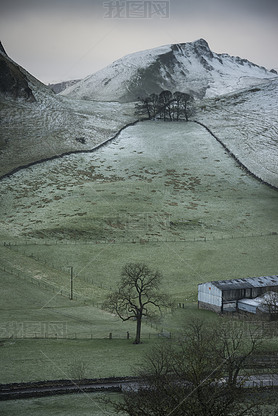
137	296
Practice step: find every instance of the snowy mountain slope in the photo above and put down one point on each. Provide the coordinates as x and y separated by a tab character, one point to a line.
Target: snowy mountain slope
248	125
187	67
51	125
36	124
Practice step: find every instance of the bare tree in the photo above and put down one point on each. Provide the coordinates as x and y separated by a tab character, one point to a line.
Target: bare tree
169	106
165	99
270	304
144	107
137	296
199	375
154	104
177	96
186	101
237	345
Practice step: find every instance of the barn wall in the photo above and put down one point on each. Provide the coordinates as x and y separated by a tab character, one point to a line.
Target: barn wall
209	294
258	291
233	294
230	306
209	307
247	307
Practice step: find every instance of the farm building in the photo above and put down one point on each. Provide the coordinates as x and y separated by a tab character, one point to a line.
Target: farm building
235	294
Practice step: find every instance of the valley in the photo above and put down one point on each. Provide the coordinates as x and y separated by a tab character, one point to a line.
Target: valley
166	194
87	187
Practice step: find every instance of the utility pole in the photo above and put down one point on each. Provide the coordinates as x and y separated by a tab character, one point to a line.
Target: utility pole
71	283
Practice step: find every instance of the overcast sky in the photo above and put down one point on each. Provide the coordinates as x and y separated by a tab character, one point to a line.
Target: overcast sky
58	40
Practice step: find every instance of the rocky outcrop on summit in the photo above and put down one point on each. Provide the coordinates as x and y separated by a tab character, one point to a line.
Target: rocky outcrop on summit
187	67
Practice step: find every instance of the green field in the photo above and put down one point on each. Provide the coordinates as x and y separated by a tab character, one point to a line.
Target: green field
71	405
166	194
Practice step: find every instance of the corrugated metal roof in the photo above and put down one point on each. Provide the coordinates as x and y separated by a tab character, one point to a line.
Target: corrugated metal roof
247	283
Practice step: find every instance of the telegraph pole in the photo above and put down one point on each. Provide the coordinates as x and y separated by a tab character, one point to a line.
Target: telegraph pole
71	283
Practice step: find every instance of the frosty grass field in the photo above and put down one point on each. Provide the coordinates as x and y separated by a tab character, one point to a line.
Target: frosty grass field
162	193
70	405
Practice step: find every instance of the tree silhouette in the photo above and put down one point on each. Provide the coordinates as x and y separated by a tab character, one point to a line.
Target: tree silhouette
137	296
166	105
198	375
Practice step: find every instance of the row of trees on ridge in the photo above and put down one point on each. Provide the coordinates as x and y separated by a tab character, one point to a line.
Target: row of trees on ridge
166	105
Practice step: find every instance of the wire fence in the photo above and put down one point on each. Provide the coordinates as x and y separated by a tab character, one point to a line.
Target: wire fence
68	330
17	335
62	330
44	284
265	329
93	282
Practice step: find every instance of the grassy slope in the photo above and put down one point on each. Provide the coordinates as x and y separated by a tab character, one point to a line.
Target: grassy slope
170	188
247	123
30	132
175	180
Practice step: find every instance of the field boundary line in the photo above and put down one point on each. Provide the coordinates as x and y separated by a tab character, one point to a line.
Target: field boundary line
230	153
10	244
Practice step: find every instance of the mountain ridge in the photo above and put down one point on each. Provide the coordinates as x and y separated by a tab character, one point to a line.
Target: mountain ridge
188	67
244	117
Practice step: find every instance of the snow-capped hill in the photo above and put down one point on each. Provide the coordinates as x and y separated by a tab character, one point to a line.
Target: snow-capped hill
187	67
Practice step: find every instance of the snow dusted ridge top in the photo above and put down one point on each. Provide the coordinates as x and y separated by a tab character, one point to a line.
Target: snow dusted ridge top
187	67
